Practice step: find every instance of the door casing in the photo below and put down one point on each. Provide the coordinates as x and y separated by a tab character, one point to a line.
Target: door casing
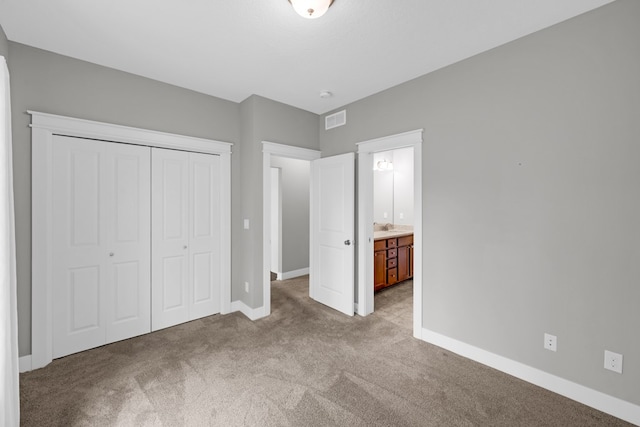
270	149
43	127
366	149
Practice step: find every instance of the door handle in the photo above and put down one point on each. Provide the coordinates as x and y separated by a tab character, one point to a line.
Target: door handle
347	242
111	253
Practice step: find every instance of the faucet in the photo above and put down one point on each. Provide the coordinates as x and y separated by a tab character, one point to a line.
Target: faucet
388	226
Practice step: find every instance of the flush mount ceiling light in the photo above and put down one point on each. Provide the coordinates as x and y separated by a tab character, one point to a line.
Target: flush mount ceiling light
311	9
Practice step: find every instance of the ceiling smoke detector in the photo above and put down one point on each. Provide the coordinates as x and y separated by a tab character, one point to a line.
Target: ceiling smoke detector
325	94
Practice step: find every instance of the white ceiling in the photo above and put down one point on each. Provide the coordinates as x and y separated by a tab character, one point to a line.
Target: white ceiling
235	48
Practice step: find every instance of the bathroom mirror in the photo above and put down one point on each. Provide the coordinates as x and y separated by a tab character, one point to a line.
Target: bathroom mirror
393	187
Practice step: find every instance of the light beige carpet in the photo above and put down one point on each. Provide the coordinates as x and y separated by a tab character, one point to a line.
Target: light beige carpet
305	365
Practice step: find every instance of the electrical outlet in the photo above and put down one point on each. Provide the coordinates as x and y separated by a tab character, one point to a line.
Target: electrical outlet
550	342
613	361
246	287
401	215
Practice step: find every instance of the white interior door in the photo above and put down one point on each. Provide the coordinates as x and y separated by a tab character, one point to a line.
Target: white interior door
204	235
170	237
100	263
332	232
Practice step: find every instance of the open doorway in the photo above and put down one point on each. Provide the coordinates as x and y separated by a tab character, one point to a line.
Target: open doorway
393	235
289	217
368	158
283	157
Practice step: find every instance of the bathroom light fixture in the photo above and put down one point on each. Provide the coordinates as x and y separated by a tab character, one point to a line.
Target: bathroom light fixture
311	9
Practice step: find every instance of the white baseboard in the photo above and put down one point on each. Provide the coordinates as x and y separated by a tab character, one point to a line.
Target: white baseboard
251	313
291	274
596	399
24	363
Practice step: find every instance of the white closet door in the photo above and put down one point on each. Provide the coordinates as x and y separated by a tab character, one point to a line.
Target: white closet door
128	189
170	237
80	251
186	261
204	233
92	289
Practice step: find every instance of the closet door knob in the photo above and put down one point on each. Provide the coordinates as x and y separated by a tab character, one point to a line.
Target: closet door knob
111	254
347	242
184	247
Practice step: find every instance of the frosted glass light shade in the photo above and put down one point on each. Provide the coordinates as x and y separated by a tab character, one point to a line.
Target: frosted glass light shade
311	9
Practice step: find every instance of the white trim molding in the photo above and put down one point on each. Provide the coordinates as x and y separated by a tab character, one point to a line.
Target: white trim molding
24	363
603	402
366	149
293	274
43	127
270	149
69	126
250	313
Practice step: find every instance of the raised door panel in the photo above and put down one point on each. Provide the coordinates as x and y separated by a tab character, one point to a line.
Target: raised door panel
204	235
79	255
403	263
128	188
170	237
379	269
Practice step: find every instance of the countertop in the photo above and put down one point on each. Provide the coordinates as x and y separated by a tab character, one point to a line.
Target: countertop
378	235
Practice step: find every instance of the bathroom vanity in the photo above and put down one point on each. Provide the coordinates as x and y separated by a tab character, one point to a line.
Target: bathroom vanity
392	257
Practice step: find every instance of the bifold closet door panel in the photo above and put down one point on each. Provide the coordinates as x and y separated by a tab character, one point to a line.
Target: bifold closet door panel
204	235
100	258
170	237
128	221
186	258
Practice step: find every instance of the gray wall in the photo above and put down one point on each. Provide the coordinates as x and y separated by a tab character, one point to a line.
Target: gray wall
4	44
263	120
295	212
52	83
531	202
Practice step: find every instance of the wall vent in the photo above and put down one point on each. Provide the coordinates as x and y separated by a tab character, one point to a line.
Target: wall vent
336	119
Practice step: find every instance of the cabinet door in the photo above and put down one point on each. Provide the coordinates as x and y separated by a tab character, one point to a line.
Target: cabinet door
170	237
204	235
403	263
411	261
379	269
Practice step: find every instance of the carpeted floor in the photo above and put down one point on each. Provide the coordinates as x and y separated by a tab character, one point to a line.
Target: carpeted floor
305	365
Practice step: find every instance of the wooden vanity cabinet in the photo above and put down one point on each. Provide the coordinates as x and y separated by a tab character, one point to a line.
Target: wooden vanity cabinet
405	258
379	264
392	261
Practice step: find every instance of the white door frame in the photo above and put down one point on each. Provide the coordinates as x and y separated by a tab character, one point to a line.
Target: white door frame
365	219
276	223
43	127
270	149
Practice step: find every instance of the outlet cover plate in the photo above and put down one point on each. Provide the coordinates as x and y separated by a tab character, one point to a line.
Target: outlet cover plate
613	361
550	342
